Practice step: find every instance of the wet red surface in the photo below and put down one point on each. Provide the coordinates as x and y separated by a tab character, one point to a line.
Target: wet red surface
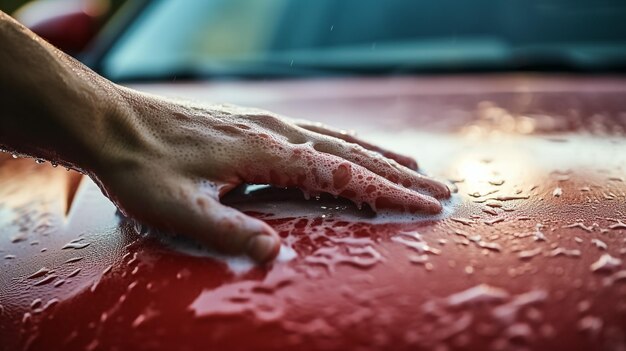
528	255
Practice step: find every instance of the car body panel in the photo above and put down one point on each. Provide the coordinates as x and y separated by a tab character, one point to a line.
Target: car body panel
514	262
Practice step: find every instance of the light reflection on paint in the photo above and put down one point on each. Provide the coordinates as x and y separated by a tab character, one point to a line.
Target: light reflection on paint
495	121
504	171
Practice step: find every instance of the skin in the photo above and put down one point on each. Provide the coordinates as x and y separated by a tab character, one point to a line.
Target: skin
167	163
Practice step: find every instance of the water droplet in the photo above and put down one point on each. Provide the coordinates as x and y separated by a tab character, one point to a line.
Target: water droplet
507	313
496	182
74	259
583	306
494	221
260	299
490	211
21	236
528	254
539	236
559	251
579	225
606	262
46	280
40	273
481	293
94	286
75	245
493	204
599	244
418	259
615	277
609	196
415	241
489	245
36	303
464	221
519	333
351	241
511	197
453	327
330	257
139	320
618	225
51	303
590	325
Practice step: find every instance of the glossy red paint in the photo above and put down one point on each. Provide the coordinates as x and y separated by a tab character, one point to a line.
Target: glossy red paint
529	255
67	24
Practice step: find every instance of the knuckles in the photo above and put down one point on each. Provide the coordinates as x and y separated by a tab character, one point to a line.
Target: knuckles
266	120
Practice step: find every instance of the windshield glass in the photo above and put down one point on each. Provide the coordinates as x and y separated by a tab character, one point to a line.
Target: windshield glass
251	38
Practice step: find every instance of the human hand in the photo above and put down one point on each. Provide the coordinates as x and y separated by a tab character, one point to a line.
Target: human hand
167	164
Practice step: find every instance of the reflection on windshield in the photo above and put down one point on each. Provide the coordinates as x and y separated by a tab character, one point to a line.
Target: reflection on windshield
289	37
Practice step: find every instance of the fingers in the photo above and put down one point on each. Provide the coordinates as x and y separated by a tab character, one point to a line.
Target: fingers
316	172
343	145
199	215
382	166
320	128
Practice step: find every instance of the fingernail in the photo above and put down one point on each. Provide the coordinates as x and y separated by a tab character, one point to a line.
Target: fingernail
262	248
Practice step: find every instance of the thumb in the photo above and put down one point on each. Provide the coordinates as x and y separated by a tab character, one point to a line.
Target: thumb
225	229
230	231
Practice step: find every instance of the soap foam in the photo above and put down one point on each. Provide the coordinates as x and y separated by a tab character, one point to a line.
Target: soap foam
272	207
239	264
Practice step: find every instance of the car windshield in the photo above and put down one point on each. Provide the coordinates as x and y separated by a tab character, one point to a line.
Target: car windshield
271	38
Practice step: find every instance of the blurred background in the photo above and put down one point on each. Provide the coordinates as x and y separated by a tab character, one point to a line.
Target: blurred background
69	24
243	39
10	6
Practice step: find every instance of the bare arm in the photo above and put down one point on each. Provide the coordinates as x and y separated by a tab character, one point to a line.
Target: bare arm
52	106
167	163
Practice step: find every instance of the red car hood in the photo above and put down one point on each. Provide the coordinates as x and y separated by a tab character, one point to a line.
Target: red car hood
527	255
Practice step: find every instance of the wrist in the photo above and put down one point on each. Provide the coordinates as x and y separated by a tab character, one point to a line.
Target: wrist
87	124
122	139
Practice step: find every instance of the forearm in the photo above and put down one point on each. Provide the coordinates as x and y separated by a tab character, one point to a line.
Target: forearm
52	107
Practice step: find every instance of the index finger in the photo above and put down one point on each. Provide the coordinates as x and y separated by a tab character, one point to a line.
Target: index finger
320	128
317	172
